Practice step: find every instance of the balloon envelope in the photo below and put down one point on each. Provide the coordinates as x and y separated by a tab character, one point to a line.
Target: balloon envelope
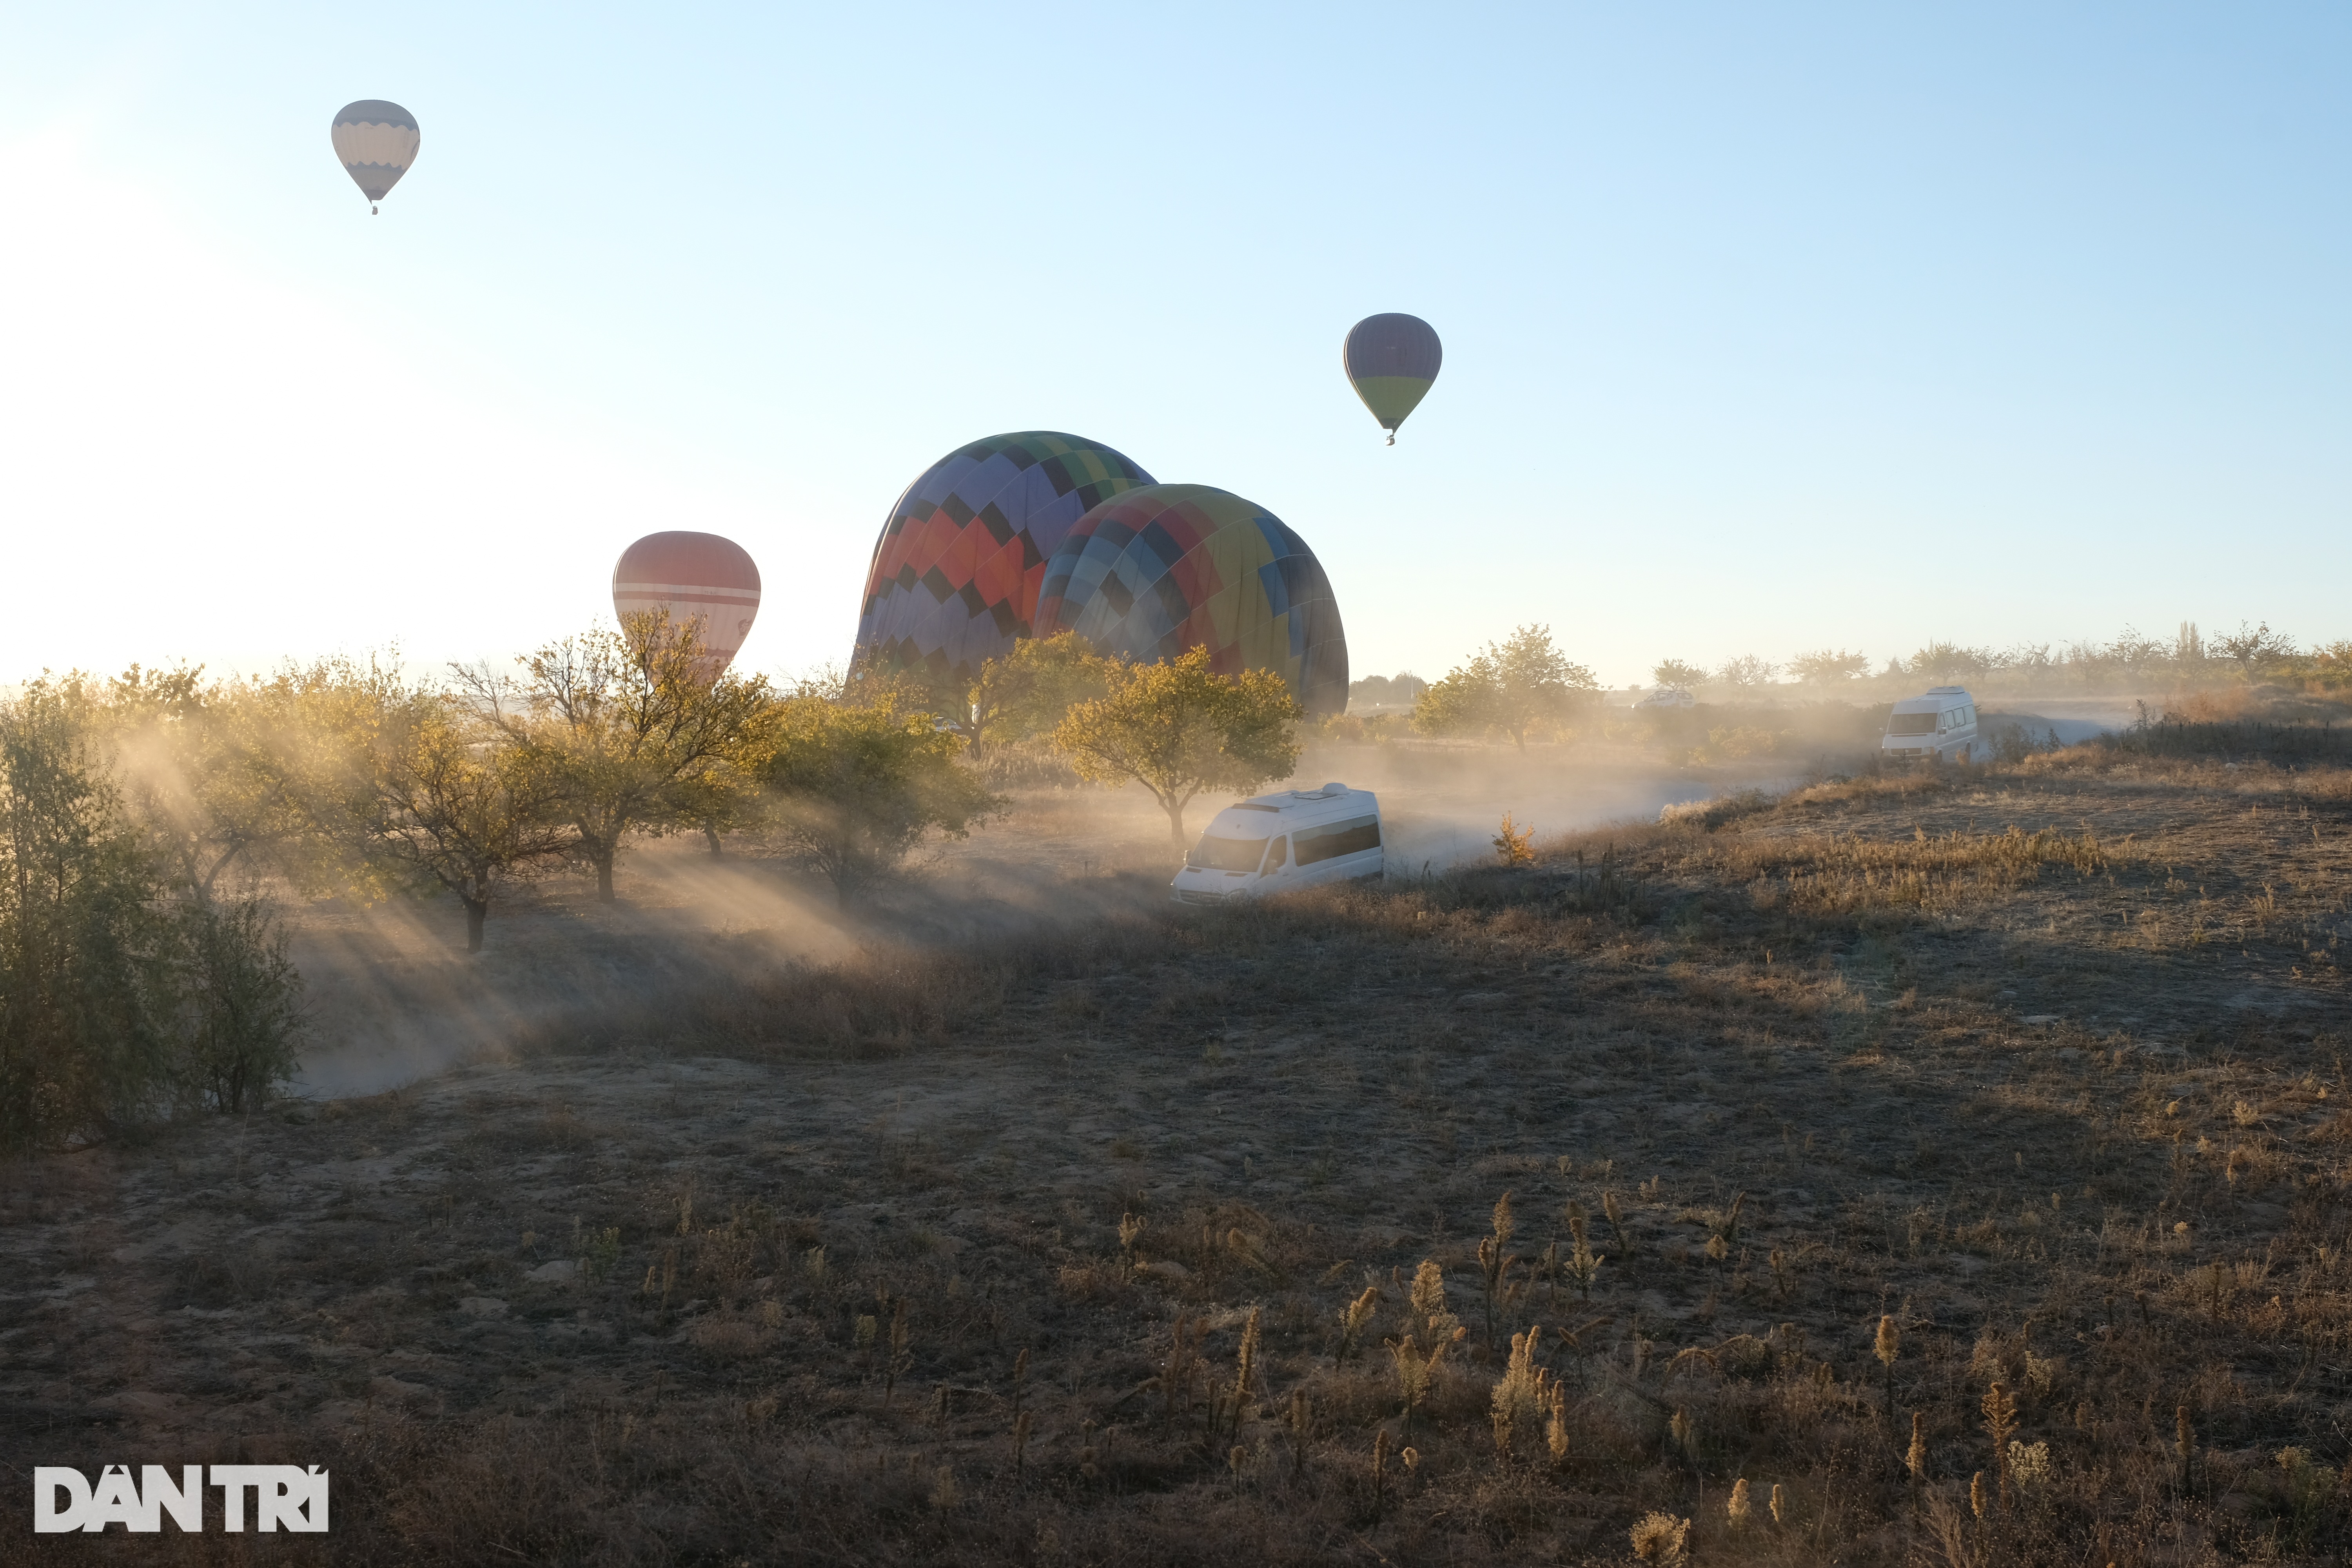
377	141
1392	360
956	571
1151	573
693	576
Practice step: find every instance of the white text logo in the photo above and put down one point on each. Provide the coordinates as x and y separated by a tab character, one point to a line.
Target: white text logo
285	1497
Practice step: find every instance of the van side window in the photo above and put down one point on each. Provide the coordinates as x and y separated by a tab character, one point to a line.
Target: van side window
1276	854
1334	839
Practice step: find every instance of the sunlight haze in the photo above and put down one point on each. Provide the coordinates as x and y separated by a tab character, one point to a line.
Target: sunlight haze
1761	332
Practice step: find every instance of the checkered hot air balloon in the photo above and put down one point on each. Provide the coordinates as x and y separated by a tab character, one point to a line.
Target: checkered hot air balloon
1164	568
956	571
1392	360
377	141
694	577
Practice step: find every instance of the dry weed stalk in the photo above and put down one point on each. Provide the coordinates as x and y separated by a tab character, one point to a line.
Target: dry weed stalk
1583	1264
901	1359
2184	1442
1176	1375
1556	1436
1380	1468
1916	1460
1523	1394
1352	1320
1415	1371
1660	1538
2000	1420
1616	1224
1737	1508
1888	1345
1777	1517
1020	1443
1495	1260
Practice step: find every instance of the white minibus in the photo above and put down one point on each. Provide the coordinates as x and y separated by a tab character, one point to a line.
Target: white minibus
1939	724
1269	843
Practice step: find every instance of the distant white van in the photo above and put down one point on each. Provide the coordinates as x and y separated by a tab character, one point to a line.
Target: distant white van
1938	724
1270	843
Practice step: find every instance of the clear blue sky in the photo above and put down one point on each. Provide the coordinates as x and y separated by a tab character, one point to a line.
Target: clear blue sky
1765	326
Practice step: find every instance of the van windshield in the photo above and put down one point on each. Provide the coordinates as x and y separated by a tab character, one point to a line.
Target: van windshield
1215	854
1911	724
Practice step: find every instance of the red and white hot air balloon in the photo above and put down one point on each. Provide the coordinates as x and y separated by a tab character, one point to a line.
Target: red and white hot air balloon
694	577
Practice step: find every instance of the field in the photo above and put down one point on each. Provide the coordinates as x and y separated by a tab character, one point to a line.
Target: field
1080	1229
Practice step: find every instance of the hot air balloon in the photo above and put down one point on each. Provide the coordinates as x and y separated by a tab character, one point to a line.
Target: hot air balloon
377	142
694	577
1163	568
956	571
1392	360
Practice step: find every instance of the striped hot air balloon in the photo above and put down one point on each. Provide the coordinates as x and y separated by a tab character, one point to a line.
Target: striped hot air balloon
1163	568
1392	360
694	577
377	141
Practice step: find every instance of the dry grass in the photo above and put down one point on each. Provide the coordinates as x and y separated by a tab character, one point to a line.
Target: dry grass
1177	1239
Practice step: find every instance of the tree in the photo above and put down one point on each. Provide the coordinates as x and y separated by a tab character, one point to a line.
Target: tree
85	950
1031	689
1828	667
1510	688
451	803
1746	672
853	786
2254	648
626	730
1178	728
121	987
1945	662
1676	673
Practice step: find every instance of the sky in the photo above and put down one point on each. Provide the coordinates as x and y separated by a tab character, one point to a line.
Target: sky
1765	328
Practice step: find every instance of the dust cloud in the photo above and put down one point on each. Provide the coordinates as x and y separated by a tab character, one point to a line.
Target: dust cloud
395	997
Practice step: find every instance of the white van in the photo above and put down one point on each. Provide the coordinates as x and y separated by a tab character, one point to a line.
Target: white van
1939	724
1298	838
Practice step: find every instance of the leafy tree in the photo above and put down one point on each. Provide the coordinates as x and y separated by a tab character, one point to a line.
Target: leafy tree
1031	689
1828	667
2255	647
1509	688
1746	672
1178	728
451	804
85	954
241	999
1385	690
853	786
1676	674
1945	662
627	729
120	988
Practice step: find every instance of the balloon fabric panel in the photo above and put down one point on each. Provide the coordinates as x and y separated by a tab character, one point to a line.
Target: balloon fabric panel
1164	568
957	569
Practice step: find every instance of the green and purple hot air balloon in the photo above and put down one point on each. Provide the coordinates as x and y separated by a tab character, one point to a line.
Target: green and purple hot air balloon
1391	360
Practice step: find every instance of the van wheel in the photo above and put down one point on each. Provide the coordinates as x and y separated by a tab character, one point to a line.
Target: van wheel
1968	751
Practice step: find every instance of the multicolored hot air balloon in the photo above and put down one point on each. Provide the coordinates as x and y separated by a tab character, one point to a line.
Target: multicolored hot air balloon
956	572
377	141
1151	573
1392	360
693	576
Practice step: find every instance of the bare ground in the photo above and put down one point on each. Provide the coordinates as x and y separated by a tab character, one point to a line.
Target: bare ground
823	1261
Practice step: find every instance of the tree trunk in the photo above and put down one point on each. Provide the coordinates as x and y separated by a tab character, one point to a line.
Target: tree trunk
1176	826
711	833
604	876
477	910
